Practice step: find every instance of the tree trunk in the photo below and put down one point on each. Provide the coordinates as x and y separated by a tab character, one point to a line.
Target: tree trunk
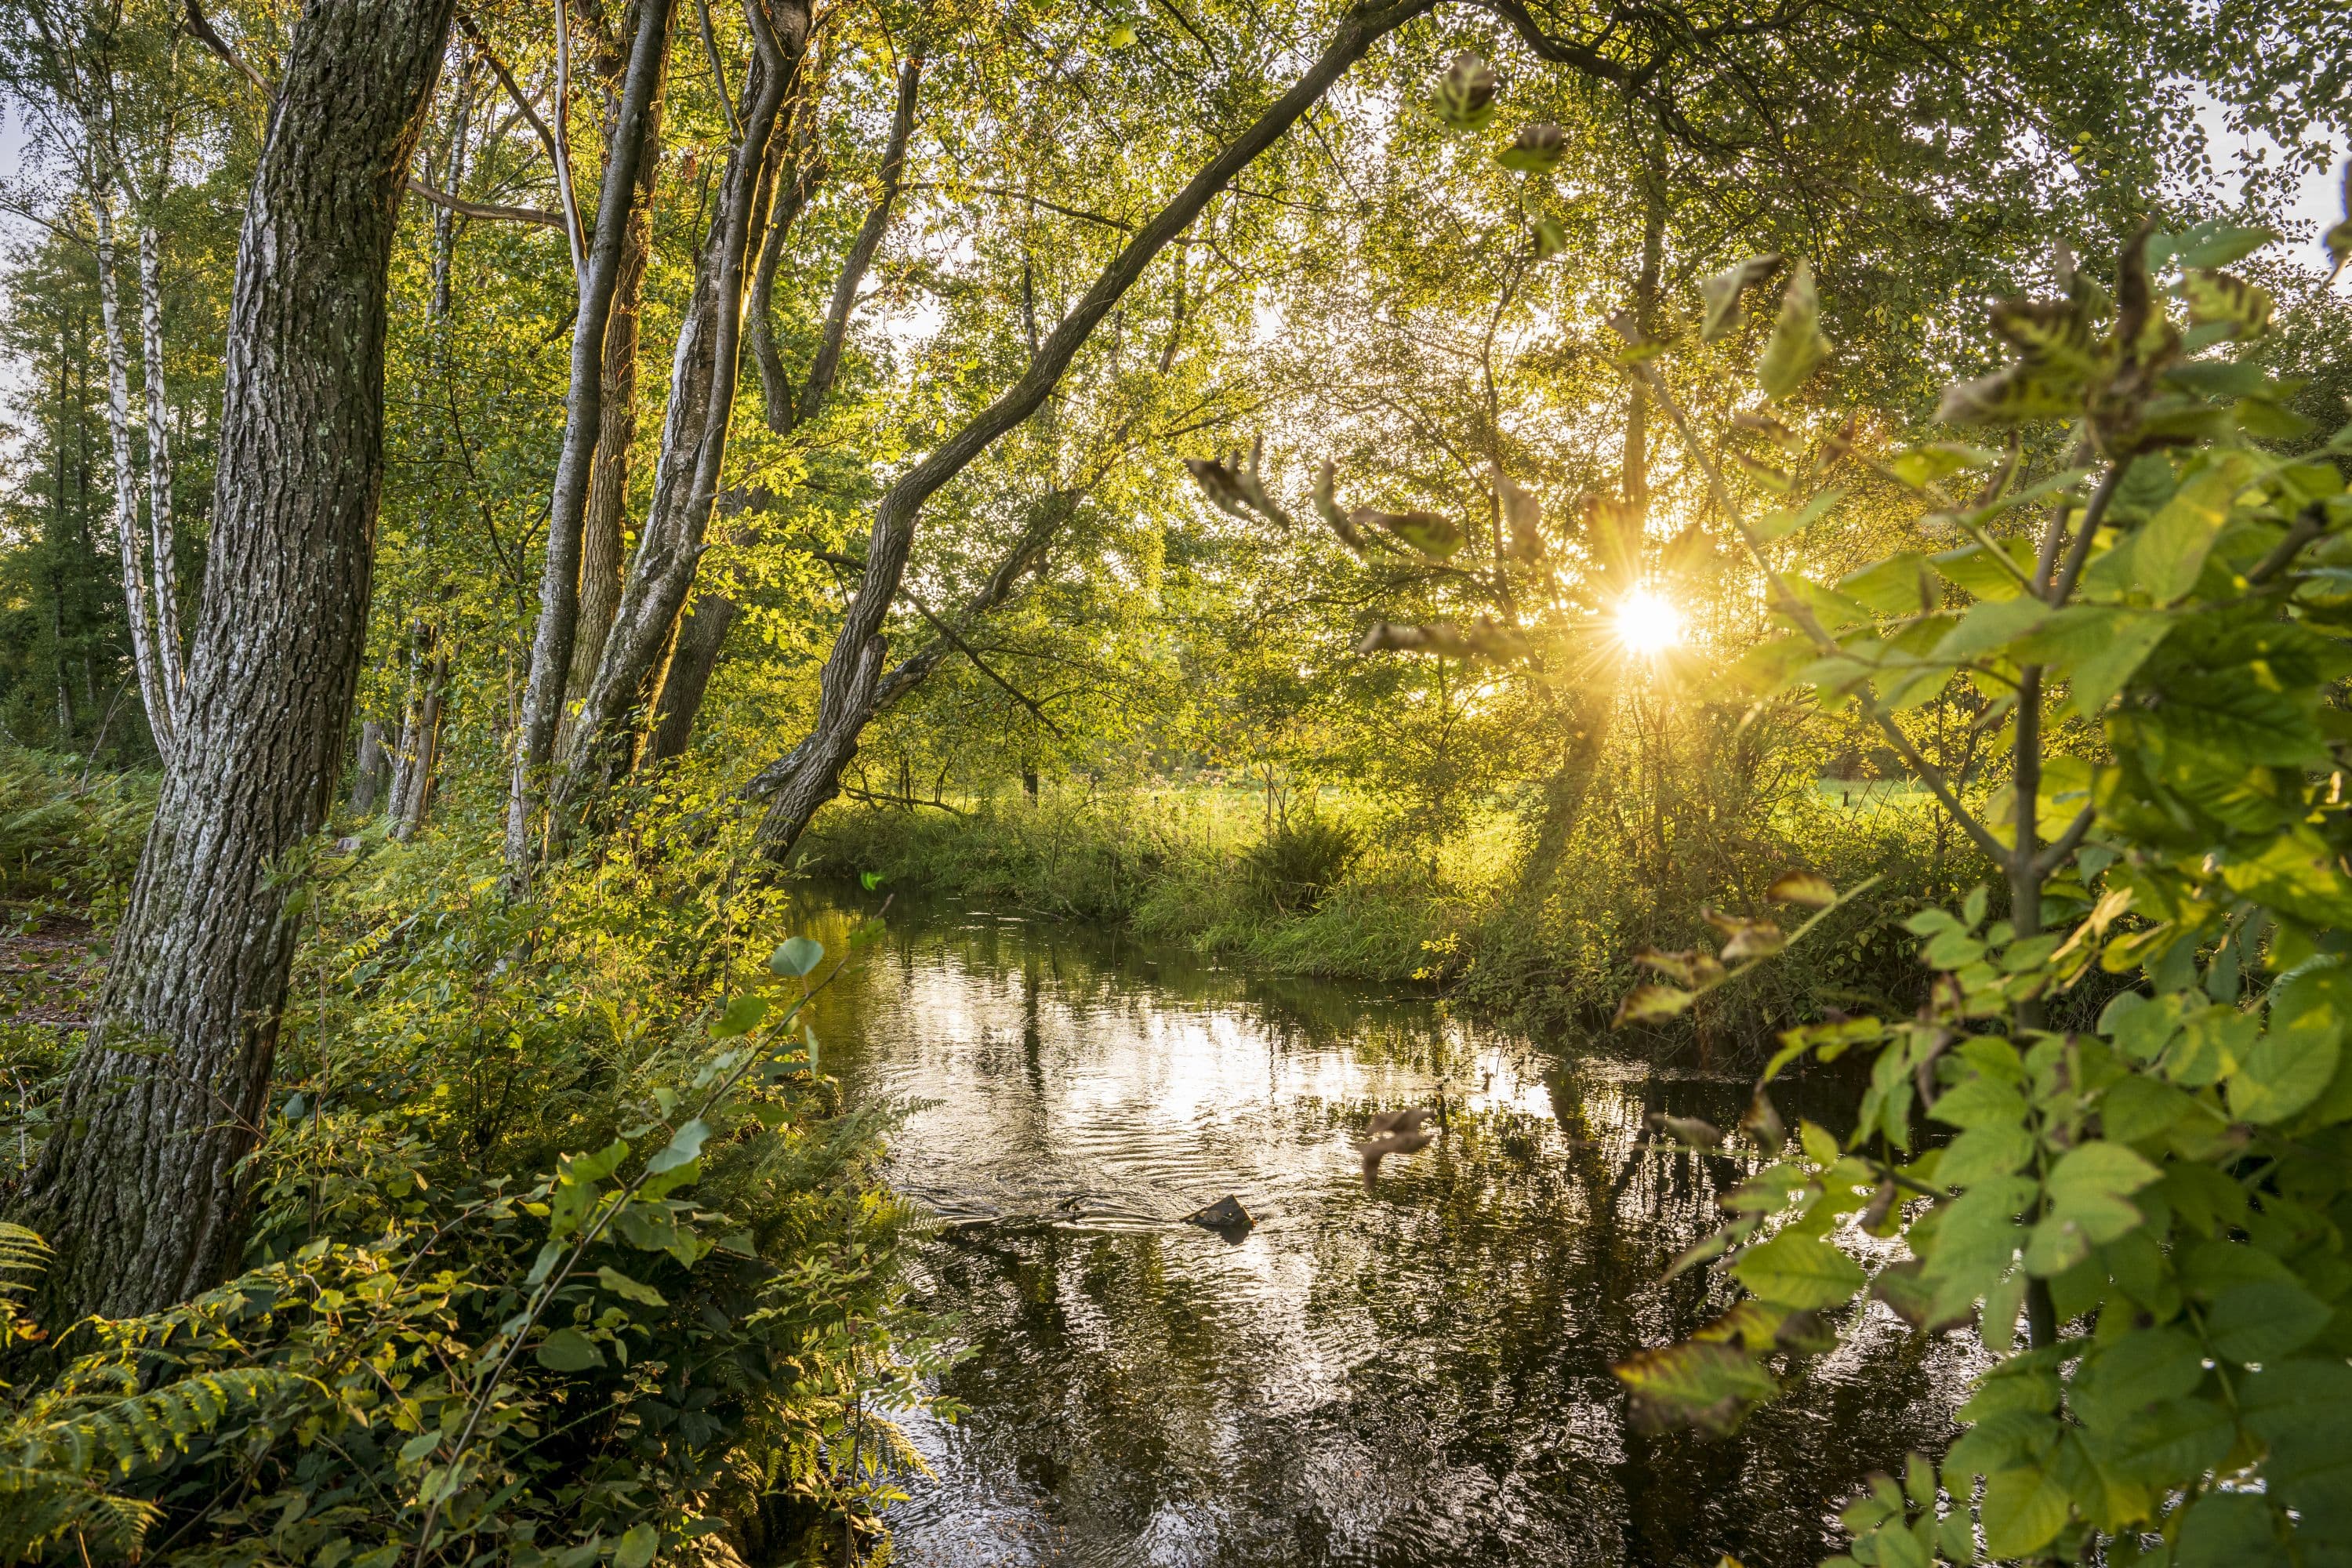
691	664
559	589
694	433
145	657
796	783
162	544
608	480
138	1190
374	767
426	766
1635	480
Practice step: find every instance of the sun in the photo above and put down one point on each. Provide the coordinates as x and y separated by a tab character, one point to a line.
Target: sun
1647	623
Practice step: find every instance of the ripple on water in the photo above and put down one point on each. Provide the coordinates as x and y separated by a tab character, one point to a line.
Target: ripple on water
1417	1375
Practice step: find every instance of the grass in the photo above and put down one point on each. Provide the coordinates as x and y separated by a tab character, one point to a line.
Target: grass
1470	913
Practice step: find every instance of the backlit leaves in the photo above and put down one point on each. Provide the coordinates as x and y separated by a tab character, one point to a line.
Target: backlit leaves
1463	98
1721	294
1797	346
1535	150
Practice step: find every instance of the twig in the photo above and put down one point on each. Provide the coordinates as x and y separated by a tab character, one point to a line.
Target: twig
487	209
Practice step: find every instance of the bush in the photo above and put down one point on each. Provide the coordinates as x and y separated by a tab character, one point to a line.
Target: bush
563	1251
1295	866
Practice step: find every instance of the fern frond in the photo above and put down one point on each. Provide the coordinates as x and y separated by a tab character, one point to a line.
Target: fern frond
23	1256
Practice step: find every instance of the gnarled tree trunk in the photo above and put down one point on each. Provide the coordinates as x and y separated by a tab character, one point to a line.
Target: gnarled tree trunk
138	1190
796	783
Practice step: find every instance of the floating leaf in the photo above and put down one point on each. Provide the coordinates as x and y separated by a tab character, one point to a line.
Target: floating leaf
1650	1004
1798	886
1721	294
1536	150
1464	95
1797	346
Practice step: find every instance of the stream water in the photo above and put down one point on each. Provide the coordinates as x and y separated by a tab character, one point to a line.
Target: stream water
1416	1375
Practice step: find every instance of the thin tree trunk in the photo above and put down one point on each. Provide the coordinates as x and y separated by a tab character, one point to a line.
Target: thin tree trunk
421	638
694	434
369	776
559	589
796	783
608	480
827	363
451	178
137	1191
686	678
427	766
145	657
1636	475
162	544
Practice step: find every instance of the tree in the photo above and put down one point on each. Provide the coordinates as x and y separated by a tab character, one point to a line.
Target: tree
141	1197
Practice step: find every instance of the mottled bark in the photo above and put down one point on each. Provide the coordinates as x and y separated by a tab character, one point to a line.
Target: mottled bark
138	1189
416	797
796	783
162	542
703	376
559	589
155	689
1636	477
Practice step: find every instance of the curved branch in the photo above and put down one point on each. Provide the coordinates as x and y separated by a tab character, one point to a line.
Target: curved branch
486	209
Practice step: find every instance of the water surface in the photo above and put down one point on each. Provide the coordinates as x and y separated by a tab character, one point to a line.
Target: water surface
1416	1375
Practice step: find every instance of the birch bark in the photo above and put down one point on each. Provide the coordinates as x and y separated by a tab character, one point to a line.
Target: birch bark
139	1191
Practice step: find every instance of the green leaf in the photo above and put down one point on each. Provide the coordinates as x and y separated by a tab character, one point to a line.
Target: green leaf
743	1016
568	1349
1548	237
2023	1510
639	1541
1996	1149
1974	568
2172	1440
684	1144
2263	1320
1535	150
2098	648
1465	95
1708	1385
1991	626
799	956
2098	1170
1721	293
1798	1271
2170	552
2229	1529
1787	520
1797	346
621	1285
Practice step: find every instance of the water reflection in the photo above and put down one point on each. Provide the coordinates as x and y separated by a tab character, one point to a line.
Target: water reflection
1416	1377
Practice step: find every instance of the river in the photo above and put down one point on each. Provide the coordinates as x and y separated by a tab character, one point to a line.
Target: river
1414	1376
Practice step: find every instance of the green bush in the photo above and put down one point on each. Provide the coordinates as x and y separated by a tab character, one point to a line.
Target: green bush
563	1251
1295	866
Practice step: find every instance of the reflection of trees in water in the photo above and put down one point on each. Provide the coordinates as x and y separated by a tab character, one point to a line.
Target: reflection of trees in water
1471	1311
1419	1377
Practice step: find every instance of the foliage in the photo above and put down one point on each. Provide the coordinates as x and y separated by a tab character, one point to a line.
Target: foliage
2160	1196
1296	866
66	838
551	1261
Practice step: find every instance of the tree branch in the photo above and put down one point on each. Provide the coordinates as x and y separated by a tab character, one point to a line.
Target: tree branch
202	29
486	209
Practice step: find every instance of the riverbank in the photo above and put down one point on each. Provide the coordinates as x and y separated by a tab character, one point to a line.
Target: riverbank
1536	935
